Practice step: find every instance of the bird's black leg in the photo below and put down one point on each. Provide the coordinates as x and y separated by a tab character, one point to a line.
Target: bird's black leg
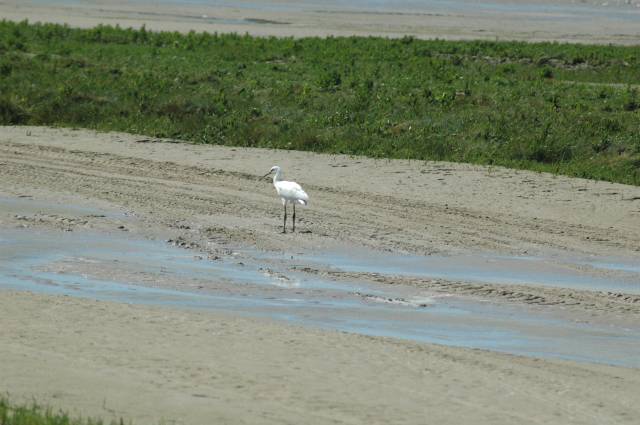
284	225
294	217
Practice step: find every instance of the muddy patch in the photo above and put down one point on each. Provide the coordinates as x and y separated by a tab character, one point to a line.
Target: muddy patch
125	269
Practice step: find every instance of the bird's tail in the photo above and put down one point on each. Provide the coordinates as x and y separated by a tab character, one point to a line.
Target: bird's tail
303	198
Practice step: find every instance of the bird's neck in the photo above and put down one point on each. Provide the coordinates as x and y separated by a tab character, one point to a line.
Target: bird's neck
277	177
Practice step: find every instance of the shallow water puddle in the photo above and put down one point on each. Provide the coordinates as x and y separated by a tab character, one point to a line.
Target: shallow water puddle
119	268
601	274
26	205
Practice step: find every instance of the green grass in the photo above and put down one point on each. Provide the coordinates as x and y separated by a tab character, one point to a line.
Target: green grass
33	414
569	109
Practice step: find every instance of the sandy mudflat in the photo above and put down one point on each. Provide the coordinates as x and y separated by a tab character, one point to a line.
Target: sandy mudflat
199	194
587	21
150	363
452	206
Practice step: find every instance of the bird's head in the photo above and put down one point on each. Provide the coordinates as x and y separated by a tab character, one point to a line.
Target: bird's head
275	169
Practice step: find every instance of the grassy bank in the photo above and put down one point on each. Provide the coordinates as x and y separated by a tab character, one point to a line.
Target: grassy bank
570	109
33	414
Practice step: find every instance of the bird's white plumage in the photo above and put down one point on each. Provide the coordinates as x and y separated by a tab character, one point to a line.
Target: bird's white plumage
289	193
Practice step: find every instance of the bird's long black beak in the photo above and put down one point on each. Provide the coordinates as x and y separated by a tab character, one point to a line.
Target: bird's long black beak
265	175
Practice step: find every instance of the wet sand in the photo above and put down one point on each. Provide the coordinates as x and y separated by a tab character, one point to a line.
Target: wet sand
150	362
126	269
586	21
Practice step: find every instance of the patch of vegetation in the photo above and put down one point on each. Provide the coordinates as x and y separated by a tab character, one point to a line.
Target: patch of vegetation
33	414
563	108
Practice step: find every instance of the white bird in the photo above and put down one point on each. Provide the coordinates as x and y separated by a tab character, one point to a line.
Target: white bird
289	192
